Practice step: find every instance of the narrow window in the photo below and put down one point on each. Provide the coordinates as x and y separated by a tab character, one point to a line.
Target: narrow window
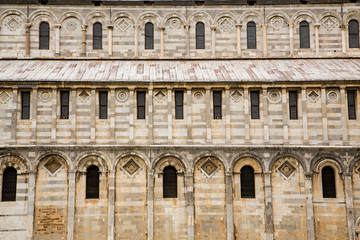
170	182
64	100
353	34
97	36
149	36
255	105
304	35
217	104
293	105
247	181
179	104
328	182
92	182
44	36
200	35
351	97
251	35
140	105
9	184
25	105
103	105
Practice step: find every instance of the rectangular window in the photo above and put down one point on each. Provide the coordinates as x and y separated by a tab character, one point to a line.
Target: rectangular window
103	105
64	101
179	104
141	105
25	105
217	104
255	113
293	105
351	97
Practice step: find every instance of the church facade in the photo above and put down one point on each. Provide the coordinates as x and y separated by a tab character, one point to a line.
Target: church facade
179	120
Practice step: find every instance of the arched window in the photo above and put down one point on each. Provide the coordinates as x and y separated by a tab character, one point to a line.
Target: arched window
353	34
200	35
304	35
44	35
9	184
247	181
328	182
92	182
97	36
251	35
149	35
170	182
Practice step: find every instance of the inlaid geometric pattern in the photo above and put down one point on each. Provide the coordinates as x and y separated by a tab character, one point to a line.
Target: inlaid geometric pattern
12	23
313	96
329	22
123	24
236	95
274	96
160	96
225	24
4	96
84	96
277	22
52	165
209	167
45	96
131	167
333	96
286	169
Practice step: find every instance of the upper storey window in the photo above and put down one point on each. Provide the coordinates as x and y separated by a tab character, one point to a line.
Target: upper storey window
304	35
9	184
97	36
251	35
44	35
200	35
149	35
353	34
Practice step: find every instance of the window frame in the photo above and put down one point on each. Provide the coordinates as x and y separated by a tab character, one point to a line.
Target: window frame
328	185
9	195
140	106
217	105
245	187
351	105
179	105
64	114
97	36
200	36
354	39
92	191
255	108
251	35
103	108
293	106
45	36
149	36
168	191
304	40
24	107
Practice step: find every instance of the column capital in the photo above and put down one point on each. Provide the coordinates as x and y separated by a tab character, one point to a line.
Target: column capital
213	27
291	25
162	28
136	26
110	26
308	175
57	25
343	26
187	26
27	25
264	25
228	173
83	27
238	25
316	26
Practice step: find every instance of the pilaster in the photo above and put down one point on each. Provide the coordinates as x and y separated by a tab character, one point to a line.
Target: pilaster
238	38
229	206
309	207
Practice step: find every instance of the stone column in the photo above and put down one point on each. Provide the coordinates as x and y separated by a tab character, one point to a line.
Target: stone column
238	37
136	37
111	205
151	205
189	197
317	50
343	37
213	40
291	36
162	41
187	29
110	38
83	43
269	225
71	203
344	114
57	37
229	206
264	27
27	39
349	205
31	205
309	207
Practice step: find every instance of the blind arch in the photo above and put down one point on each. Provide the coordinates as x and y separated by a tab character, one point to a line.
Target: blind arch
44	35
9	184
97	35
353	34
92	182
251	35
328	182
200	35
170	182
304	32
149	35
247	181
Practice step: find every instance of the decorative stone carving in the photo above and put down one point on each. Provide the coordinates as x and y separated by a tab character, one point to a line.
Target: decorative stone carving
71	26
329	22
13	23
236	95
131	167
84	96
286	169
313	95
198	96
123	24
122	95
333	96
4	96
209	168
174	23
160	96
45	95
274	96
277	22
226	24
52	165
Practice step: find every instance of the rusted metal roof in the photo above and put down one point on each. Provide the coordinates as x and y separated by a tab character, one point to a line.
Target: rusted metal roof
181	71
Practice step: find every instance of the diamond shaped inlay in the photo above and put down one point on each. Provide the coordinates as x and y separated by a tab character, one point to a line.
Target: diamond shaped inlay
286	169
4	96
329	23
84	96
131	167
313	96
160	96
123	24
52	165
209	167
236	95
13	23
226	24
